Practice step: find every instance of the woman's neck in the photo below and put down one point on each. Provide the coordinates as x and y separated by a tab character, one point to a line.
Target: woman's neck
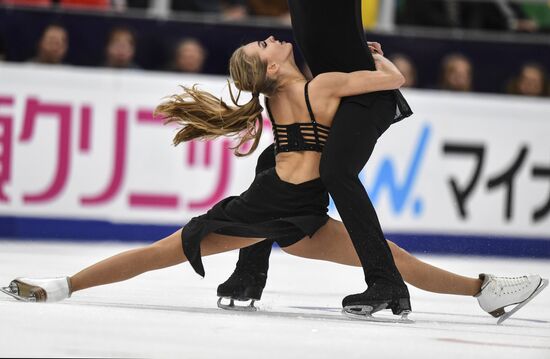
290	75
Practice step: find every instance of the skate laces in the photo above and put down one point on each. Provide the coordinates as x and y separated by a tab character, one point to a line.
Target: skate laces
508	285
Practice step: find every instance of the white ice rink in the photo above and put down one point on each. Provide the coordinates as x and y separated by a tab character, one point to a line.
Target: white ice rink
172	313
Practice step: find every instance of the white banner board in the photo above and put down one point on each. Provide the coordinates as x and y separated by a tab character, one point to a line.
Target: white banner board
82	144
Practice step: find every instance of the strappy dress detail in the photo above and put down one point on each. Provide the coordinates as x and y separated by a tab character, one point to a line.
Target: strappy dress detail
310	136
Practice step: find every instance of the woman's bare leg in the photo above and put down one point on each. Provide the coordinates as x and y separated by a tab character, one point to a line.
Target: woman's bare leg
161	254
332	243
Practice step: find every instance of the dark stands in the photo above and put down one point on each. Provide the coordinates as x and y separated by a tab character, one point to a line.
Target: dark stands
495	58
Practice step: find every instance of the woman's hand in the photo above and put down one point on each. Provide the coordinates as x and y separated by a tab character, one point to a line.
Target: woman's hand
378	59
375	48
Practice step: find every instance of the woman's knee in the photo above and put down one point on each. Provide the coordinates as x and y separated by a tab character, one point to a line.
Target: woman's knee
304	248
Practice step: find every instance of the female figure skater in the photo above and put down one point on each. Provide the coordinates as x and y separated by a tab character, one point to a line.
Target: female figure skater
286	203
331	38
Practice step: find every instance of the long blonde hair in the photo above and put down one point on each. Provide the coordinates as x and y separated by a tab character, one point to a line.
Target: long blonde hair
204	116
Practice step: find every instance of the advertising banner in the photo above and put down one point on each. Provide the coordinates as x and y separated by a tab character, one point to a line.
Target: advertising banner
82	146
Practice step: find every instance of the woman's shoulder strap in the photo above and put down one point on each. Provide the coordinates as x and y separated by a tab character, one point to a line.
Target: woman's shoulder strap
308	104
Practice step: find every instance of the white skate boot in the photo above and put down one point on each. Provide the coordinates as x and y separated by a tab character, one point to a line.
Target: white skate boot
39	289
500	292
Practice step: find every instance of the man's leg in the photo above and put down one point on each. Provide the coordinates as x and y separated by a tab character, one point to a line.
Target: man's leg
353	136
354	133
330	35
250	275
331	38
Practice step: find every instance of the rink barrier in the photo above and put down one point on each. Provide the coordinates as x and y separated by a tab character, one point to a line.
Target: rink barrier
463	164
77	230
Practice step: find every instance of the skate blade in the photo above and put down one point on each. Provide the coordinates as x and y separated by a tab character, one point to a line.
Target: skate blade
239	308
368	317
543	284
365	309
8	291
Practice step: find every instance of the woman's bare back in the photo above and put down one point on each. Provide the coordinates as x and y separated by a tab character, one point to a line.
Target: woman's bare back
288	107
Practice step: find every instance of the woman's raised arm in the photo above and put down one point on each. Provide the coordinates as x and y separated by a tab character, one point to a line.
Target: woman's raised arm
340	84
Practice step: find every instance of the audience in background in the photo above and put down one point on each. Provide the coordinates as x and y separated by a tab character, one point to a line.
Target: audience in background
120	49
406	67
189	56
456	70
52	46
456	73
531	81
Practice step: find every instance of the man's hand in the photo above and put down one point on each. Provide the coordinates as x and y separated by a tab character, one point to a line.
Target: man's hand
375	48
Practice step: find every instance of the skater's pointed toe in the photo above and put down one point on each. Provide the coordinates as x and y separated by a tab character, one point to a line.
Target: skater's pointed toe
39	289
497	293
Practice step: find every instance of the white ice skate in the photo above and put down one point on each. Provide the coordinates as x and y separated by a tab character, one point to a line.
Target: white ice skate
500	292
39	289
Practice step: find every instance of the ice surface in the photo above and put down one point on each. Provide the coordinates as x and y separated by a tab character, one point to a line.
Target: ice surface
172	313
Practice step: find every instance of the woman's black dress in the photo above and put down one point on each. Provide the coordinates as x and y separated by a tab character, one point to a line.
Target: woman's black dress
270	208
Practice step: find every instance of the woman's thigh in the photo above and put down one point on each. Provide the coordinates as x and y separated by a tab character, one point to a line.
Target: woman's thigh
330	243
171	247
218	243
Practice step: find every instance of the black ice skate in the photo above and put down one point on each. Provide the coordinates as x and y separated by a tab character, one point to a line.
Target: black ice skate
242	286
377	297
248	280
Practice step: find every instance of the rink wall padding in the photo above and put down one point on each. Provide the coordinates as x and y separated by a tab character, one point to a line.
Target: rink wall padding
49	229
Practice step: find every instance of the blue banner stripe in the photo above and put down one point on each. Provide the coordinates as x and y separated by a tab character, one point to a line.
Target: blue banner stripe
91	230
472	244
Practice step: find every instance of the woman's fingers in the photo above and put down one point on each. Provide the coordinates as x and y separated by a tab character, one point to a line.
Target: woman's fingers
376	46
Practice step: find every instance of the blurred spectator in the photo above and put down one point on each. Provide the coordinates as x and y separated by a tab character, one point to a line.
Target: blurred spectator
189	56
52	46
488	15
273	8
121	48
456	73
41	3
406	67
230	9
531	81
